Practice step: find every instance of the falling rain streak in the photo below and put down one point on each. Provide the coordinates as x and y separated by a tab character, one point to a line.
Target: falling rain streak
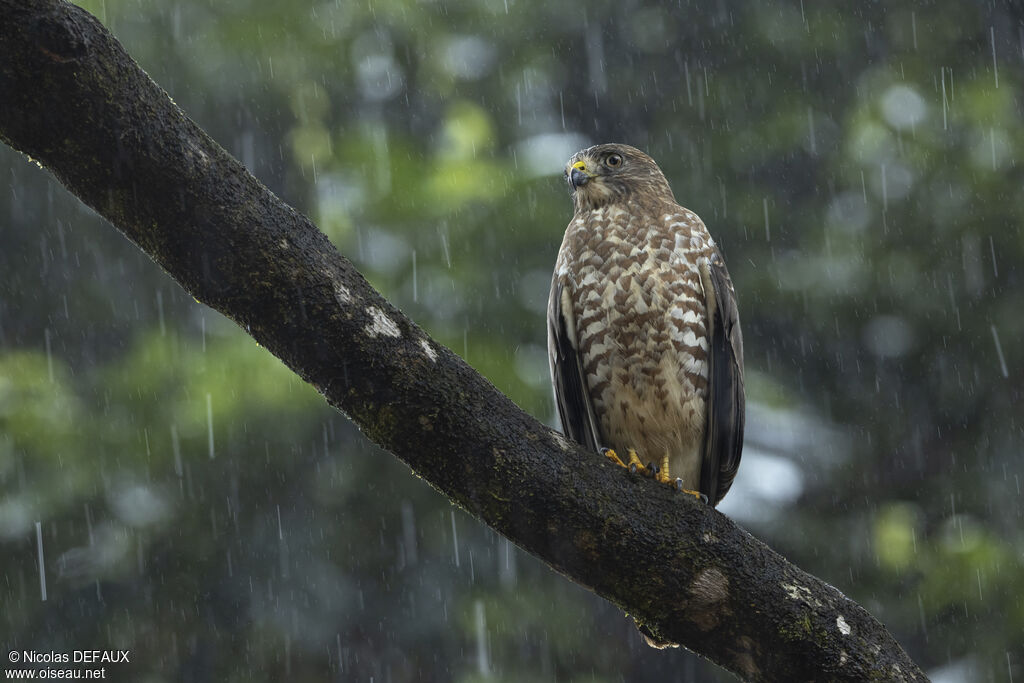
209	423
995	64
160	312
455	539
885	191
767	225
999	352
945	101
49	354
42	564
810	131
482	657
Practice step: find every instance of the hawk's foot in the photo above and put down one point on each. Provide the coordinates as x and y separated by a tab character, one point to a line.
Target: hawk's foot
633	464
613	456
637	467
696	494
664	478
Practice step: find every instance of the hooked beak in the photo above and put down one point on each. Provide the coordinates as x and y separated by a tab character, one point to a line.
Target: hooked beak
578	175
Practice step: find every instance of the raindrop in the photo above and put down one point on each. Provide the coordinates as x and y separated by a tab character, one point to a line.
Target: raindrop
176	449
209	423
999	352
160	312
992	144
444	245
507	568
767	227
88	523
42	569
689	87
455	539
995	65
992	248
482	659
810	128
945	103
519	105
49	354
885	191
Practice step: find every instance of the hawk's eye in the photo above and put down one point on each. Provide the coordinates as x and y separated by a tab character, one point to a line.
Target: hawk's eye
613	161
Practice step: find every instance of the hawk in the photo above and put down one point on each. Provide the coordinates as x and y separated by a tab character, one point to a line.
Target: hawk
644	340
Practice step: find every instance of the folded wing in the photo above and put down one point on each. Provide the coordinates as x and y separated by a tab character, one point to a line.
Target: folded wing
575	407
723	442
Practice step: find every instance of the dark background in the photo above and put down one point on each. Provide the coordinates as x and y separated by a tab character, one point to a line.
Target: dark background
859	164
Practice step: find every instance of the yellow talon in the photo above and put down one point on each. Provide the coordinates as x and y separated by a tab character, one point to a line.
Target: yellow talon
696	494
662	474
636	466
614	457
633	464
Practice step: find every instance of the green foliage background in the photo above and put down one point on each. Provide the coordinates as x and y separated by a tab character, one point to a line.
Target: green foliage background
860	164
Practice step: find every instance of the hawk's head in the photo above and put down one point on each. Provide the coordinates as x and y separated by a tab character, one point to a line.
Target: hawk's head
612	174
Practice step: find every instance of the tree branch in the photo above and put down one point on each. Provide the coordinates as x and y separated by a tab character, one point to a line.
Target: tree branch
74	100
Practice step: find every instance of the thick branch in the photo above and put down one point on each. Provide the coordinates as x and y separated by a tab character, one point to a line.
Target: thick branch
72	98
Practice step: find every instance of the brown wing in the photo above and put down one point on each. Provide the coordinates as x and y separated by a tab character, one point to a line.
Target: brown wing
723	443
572	397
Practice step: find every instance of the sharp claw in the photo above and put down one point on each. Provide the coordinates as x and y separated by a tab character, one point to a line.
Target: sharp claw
632	467
695	494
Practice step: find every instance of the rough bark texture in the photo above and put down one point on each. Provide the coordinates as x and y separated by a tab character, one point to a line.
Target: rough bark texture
73	99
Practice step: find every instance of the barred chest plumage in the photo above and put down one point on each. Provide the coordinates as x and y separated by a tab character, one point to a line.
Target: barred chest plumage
641	328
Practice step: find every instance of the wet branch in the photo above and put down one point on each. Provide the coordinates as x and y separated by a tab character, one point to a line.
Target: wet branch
73	99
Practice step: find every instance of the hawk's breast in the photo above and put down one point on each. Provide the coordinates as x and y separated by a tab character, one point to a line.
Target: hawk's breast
640	321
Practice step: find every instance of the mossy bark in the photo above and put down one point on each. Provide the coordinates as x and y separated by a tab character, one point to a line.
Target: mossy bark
73	99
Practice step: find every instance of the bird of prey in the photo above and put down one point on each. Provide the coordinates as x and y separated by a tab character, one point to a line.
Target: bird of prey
644	340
